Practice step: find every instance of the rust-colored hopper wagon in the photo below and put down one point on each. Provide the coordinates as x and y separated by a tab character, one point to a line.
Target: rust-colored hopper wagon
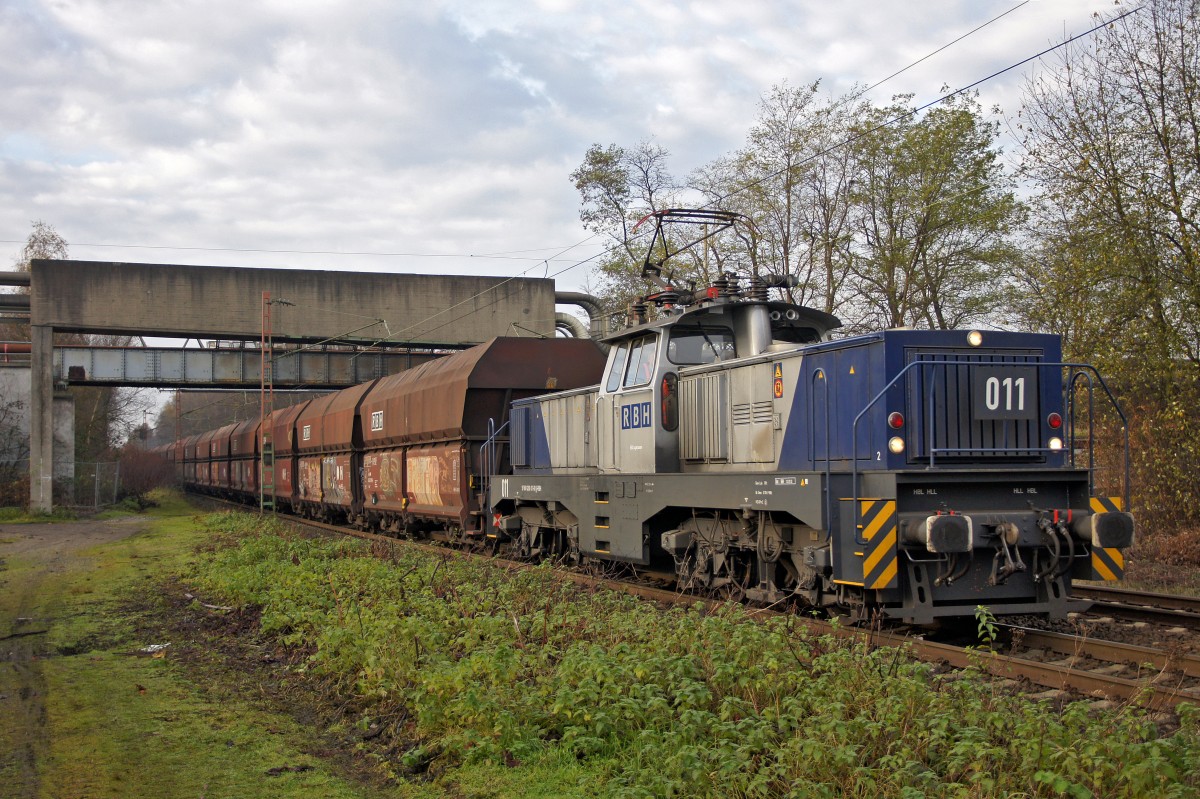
243	459
219	476
422	429
191	445
204	460
327	470
284	467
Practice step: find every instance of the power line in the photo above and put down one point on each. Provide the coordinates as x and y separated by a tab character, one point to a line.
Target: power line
940	49
546	261
612	248
515	255
913	112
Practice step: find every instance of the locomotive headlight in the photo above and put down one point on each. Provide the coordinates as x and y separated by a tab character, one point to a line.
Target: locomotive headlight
1055	443
895	445
974	338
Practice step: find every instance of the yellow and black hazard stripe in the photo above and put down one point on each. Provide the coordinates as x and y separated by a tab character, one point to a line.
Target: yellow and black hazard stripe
1108	563
879	529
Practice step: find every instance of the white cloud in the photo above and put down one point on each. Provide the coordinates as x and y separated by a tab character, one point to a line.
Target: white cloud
449	126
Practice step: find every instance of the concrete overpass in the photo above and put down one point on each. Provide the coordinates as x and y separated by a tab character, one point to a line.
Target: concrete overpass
304	307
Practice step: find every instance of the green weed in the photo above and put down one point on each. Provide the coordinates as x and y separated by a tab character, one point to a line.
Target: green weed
15	515
485	665
99	720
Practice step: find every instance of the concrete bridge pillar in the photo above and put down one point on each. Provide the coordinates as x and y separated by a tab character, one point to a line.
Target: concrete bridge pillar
41	419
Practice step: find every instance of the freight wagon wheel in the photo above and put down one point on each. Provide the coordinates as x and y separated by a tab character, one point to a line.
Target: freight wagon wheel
735	589
526	548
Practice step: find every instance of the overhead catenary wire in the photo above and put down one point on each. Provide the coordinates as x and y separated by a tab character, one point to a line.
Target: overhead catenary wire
845	142
850	140
946	46
914	111
611	248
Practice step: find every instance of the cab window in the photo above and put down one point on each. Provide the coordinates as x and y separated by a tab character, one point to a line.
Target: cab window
618	368
697	345
640	370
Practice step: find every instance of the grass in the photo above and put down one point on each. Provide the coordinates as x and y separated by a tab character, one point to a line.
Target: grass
120	724
155	735
16	515
471	666
341	674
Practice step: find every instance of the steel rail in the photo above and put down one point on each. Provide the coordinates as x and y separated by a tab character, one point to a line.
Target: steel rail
1182	611
1134	655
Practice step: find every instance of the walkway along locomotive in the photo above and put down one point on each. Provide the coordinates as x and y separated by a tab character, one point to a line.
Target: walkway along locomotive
733	443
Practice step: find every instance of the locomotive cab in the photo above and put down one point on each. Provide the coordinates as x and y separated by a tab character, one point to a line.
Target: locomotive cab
638	406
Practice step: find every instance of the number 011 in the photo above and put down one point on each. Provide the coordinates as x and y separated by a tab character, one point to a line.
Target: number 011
1007	394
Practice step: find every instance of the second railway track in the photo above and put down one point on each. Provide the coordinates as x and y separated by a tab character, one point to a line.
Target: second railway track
1169	609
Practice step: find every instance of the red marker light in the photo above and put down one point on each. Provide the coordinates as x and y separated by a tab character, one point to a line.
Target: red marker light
895	420
1054	420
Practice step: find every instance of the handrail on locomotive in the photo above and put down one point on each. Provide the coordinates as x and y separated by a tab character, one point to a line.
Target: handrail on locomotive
1077	372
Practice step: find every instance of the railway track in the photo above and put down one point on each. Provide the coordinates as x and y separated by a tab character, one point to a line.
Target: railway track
1057	663
1169	609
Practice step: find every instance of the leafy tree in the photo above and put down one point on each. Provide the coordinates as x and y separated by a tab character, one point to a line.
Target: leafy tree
933	216
883	217
792	178
617	187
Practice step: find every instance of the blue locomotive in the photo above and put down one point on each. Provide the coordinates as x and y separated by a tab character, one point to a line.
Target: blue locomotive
911	473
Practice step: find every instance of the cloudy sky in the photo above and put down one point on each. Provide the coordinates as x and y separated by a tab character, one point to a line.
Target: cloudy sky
433	136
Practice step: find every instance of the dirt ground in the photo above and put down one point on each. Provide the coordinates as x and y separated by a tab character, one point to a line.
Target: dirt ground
25	616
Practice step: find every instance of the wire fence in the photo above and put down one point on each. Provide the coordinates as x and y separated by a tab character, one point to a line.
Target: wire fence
83	486
94	485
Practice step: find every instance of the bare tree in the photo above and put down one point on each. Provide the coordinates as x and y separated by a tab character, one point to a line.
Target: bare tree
43	242
142	471
1113	146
